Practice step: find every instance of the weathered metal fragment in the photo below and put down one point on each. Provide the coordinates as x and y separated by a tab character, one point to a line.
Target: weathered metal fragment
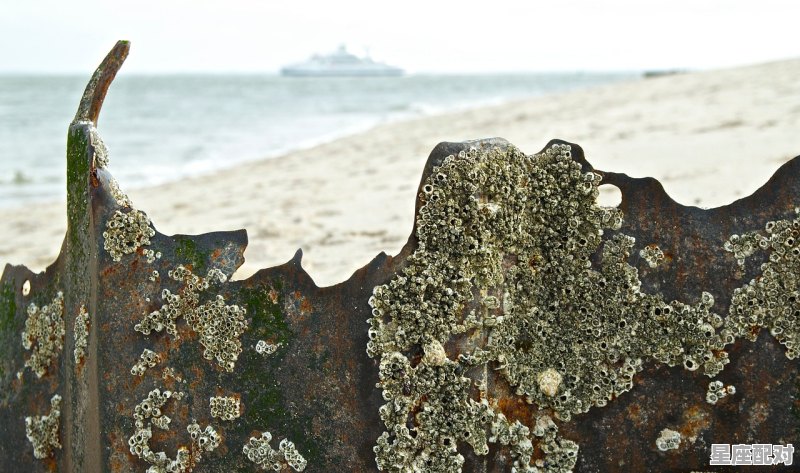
161	352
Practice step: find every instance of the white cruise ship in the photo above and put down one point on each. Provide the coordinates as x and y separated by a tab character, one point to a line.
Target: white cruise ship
340	63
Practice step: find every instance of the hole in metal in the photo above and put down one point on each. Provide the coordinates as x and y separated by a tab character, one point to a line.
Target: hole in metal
610	196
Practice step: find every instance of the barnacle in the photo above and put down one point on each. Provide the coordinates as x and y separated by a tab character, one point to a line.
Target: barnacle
652	254
224	407
100	148
265	348
81	334
717	391
668	440
743	246
147	359
506	243
206	439
218	324
44	334
259	451
772	300
292	456
42	431
127	232
150	407
147	414
119	197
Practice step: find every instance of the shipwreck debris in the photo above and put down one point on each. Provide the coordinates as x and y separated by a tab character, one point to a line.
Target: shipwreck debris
522	326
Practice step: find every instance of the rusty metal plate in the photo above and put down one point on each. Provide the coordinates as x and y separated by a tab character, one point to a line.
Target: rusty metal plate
521	328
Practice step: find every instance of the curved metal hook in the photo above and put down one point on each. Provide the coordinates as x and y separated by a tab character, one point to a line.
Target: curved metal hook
95	93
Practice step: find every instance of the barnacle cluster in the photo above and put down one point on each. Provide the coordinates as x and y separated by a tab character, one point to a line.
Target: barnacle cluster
159	461
44	334
225	407
218	324
652	254
259	451
772	300
510	253
449	416
126	232
42	431
265	348
292	456
100	148
116	192
207	440
148	414
151	256
150	410
742	246
561	454
668	440
147	359
169	372
81	334
549	380
717	391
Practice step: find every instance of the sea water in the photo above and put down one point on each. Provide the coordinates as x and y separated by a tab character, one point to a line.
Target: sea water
162	128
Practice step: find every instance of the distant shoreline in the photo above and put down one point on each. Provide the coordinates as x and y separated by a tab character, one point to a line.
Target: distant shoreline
159	133
710	137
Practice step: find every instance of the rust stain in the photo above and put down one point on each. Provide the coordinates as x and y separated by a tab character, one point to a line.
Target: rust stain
305	306
635	415
758	414
51	464
515	408
273	296
695	420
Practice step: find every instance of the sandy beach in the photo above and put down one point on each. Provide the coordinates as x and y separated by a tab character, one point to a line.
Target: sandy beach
710	137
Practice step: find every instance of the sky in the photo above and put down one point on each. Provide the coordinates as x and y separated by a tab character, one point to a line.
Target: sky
425	36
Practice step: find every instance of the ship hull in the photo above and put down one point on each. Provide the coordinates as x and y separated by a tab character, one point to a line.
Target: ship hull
296	72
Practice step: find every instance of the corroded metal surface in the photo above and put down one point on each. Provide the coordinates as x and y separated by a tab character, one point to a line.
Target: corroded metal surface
316	386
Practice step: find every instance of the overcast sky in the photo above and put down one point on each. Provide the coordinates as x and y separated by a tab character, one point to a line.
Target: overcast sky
71	36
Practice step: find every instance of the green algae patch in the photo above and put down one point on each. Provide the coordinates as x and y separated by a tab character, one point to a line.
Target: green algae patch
266	410
78	168
318	361
8	310
265	401
8	306
265	306
186	250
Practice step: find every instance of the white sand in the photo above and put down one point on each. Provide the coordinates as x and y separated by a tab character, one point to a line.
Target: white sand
709	137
